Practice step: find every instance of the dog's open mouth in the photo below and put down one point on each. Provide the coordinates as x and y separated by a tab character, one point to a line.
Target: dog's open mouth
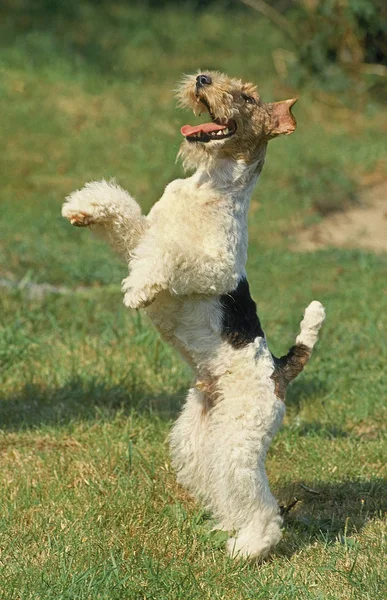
207	132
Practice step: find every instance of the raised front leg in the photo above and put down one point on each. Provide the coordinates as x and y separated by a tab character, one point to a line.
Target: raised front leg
148	276
139	292
110	211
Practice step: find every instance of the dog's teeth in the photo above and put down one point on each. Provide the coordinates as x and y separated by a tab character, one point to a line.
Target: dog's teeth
225	131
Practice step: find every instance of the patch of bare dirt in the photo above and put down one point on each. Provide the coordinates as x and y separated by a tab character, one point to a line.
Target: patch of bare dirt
363	226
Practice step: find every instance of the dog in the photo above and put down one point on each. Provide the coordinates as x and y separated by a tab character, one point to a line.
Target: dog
187	261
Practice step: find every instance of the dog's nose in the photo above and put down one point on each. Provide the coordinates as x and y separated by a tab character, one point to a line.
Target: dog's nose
202	80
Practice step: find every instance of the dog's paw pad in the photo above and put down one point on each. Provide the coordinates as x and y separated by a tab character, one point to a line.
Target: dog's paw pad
81	219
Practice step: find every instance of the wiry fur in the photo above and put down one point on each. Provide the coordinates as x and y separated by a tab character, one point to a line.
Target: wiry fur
186	258
112	212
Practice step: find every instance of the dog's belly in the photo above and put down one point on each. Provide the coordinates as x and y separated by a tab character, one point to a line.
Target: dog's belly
237	376
191	323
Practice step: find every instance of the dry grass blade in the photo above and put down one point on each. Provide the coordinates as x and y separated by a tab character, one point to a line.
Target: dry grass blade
309	489
275	16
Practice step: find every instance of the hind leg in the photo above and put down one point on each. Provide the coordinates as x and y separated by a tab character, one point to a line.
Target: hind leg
186	444
240	492
260	529
243	501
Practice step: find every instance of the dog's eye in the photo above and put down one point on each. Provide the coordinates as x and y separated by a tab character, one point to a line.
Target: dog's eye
248	99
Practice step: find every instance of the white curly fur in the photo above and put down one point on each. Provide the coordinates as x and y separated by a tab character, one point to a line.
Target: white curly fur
188	251
110	211
310	325
219	454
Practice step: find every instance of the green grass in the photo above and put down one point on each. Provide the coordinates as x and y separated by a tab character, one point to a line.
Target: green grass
89	504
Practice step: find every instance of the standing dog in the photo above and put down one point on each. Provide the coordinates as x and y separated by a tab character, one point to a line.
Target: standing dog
187	262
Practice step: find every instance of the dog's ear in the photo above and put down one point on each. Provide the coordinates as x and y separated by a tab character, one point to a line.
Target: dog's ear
281	120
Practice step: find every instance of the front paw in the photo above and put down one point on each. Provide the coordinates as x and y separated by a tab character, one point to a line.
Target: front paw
138	297
88	206
78	218
79	210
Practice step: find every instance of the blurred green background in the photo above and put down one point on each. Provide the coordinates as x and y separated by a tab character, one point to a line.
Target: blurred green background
86	92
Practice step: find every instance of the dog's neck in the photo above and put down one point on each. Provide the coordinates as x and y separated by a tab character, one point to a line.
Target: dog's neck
233	179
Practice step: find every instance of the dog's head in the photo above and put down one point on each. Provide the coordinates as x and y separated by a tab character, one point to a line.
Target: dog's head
241	124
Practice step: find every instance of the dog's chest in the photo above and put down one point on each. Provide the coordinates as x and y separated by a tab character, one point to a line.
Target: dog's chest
207	220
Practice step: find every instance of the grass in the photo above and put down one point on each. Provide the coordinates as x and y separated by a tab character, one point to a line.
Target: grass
89	504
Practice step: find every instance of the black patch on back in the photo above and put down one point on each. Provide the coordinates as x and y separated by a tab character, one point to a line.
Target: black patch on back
240	322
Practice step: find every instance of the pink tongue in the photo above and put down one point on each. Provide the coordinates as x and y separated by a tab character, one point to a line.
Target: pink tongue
204	128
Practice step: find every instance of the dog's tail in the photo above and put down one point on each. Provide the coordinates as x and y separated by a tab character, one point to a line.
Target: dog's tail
110	211
291	364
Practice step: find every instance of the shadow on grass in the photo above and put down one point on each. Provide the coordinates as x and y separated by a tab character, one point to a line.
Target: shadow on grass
328	513
304	389
322	430
37	405
88	399
331	513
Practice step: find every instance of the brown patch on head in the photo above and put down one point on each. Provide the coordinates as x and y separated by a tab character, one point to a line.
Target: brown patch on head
288	367
247	122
